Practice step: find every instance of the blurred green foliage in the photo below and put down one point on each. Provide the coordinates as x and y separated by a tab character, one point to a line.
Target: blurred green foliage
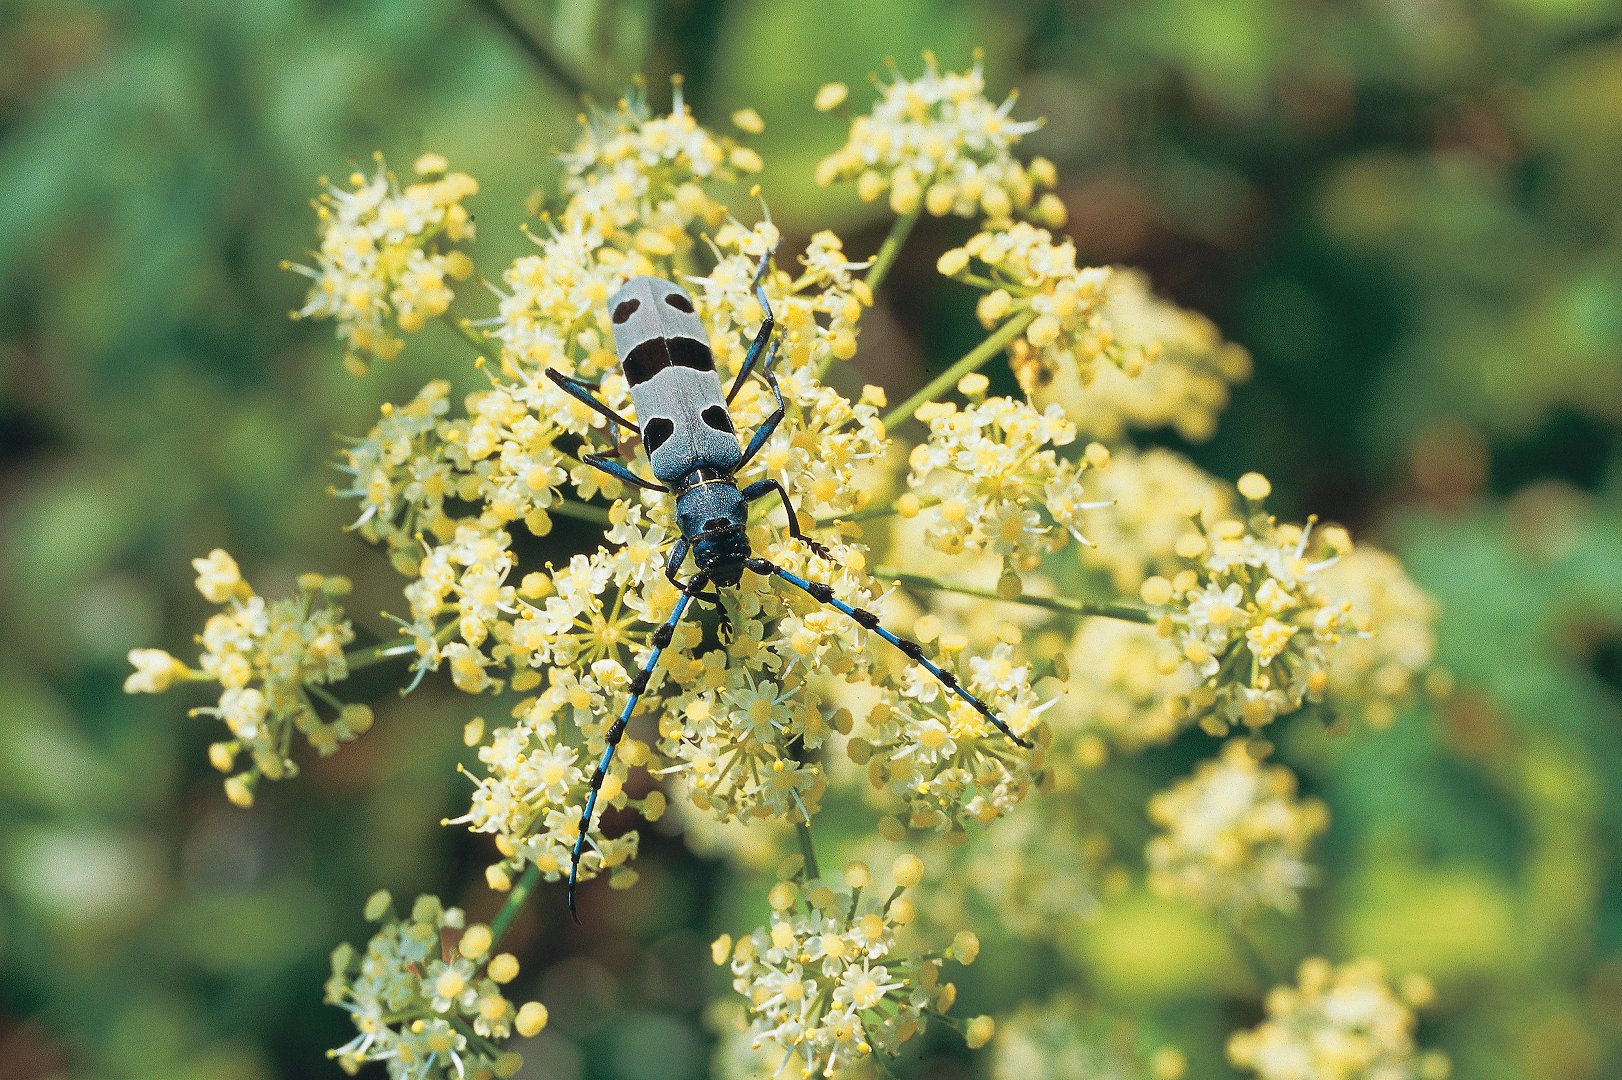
1408	211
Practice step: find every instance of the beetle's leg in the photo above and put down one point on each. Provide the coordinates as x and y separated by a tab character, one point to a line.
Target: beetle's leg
768	425
910	649
760	489
583	392
602	463
763	335
639	684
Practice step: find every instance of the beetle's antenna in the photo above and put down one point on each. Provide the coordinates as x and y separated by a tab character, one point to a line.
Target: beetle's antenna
909	648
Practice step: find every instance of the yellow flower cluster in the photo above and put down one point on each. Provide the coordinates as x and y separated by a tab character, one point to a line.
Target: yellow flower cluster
1152	494
990	477
1251	616
1124	699
1234	836
272	661
1171	367
1063	1039
426	996
383	256
937	142
828	984
1034	289
637	180
1340	1023
1374	674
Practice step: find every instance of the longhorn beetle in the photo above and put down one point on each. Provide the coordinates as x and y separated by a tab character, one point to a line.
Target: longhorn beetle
694	450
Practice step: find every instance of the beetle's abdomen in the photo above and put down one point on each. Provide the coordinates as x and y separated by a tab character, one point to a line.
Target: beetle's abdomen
666	357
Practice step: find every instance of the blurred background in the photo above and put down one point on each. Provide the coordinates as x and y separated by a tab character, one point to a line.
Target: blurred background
1410	211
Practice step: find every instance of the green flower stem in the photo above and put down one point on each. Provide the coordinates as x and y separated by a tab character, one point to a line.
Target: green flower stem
516	899
891	248
880	268
539	52
466	332
1254	961
1106	609
802	830
589	512
988	348
381	652
871	512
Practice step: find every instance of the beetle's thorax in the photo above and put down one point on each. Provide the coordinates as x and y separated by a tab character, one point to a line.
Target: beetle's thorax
714	518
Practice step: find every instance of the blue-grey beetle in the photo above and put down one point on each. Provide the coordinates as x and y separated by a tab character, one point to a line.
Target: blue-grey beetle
688	435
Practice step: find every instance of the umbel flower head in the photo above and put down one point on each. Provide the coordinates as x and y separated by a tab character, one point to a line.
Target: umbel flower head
1250	615
1340	1023
829	984
990	476
272	660
1234	835
385	265
426	996
937	142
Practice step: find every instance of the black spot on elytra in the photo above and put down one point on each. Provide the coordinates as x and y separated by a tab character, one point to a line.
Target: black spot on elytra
657	432
716	417
680	302
626	309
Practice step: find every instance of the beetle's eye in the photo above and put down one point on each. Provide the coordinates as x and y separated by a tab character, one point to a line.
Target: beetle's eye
626	310
656	432
716	417
679	302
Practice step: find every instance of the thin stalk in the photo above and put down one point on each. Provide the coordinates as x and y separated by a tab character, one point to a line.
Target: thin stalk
891	248
471	336
516	899
596	515
982	352
802	830
1254	961
540	53
1107	609
871	512
379	653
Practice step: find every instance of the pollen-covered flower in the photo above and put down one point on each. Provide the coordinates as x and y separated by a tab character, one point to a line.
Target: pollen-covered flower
938	142
943	761
1373	674
829	984
1340	1023
385	265
273	661
991	476
1234	835
1062	1038
1035	290
426	996
1251	616
1170	366
639	180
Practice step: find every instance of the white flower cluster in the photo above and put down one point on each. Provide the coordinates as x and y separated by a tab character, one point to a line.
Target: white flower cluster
272	661
426	996
380	256
937	142
1234	835
990	477
1251	616
828	984
1340	1023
